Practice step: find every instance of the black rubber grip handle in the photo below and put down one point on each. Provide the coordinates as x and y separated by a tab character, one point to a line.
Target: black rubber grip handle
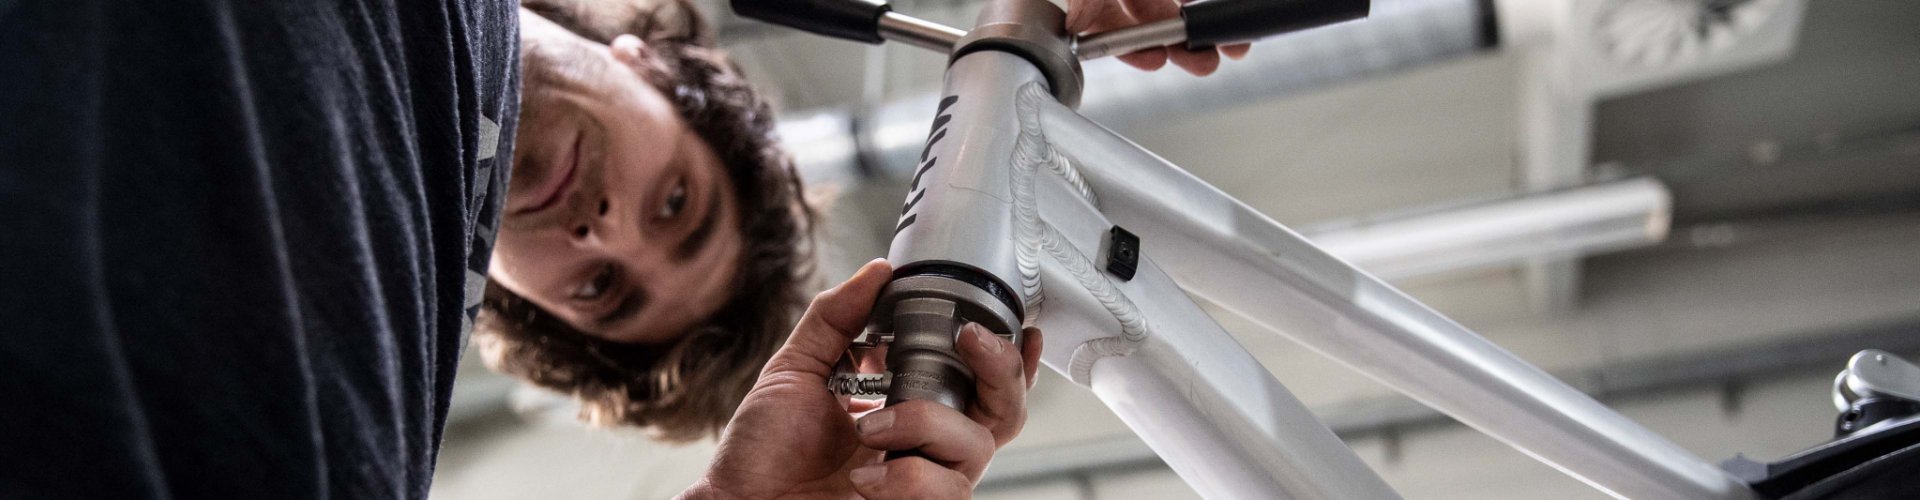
1220	22
857	20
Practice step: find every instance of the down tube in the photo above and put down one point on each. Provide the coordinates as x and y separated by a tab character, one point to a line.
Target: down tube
1226	252
1197	398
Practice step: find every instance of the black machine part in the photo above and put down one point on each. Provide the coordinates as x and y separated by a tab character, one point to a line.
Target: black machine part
1122	251
856	20
1221	22
1875	452
1207	22
1866	413
1861	466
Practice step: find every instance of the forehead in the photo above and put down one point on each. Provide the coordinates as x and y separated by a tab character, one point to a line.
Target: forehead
568	75
556	58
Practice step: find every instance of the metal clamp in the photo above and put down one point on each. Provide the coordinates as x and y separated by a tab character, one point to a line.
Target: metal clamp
1875	373
1877	387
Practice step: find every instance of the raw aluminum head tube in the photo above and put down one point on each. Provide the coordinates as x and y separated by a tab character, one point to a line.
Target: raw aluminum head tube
958	209
957	215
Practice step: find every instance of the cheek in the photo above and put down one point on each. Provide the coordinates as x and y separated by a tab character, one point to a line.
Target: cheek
630	165
525	259
722	264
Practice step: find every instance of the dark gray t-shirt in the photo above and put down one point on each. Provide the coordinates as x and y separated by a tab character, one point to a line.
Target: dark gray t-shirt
241	242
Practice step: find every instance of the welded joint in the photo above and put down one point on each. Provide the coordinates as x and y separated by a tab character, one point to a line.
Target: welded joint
1031	151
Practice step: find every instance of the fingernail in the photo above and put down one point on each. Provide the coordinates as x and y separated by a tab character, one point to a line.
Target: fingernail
985	337
869	475
875	422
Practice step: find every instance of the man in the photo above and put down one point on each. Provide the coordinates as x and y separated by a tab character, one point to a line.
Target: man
246	240
655	244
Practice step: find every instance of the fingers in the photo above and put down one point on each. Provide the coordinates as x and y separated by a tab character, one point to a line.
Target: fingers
1093	16
1236	51
831	322
1082	13
871	359
1030	352
954	448
1146	59
858	406
938	432
912	477
1201	62
1000	382
1146	11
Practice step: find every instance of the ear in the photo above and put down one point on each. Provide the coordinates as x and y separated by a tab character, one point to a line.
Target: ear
628	49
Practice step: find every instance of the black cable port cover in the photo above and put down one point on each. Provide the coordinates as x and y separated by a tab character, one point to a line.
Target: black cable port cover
1221	22
856	20
1123	253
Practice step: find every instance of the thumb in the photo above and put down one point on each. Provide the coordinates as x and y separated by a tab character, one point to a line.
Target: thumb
831	322
1081	14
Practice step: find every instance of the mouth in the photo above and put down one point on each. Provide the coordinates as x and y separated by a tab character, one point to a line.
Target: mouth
551	194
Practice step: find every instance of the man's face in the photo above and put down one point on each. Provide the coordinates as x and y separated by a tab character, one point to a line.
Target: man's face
620	220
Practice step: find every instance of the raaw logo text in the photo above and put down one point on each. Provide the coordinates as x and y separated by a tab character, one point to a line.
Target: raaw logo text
914	191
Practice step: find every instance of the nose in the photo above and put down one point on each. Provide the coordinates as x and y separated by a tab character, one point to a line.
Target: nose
596	224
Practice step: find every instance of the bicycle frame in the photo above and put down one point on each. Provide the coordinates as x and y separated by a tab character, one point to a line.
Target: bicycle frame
1016	184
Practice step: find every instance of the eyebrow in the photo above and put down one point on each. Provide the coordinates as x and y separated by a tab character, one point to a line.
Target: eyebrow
629	306
697	240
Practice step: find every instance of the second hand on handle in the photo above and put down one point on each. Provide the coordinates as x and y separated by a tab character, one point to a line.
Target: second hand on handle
862	21
1207	23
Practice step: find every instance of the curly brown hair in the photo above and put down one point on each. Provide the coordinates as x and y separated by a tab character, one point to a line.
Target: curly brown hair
689	388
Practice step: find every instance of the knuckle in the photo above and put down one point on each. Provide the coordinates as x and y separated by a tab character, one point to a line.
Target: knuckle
822	297
1010	428
911	472
908	419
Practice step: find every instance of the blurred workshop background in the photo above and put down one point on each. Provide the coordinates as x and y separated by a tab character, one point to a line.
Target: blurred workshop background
1694	210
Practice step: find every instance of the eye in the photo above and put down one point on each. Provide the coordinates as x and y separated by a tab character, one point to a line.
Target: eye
595	286
676	201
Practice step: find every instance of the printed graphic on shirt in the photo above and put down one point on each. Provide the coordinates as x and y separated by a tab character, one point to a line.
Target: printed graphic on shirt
485	207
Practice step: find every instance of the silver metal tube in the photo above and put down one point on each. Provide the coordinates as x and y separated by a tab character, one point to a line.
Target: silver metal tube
954	211
1236	257
1132	38
1193	394
919	32
1811	350
1575	221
